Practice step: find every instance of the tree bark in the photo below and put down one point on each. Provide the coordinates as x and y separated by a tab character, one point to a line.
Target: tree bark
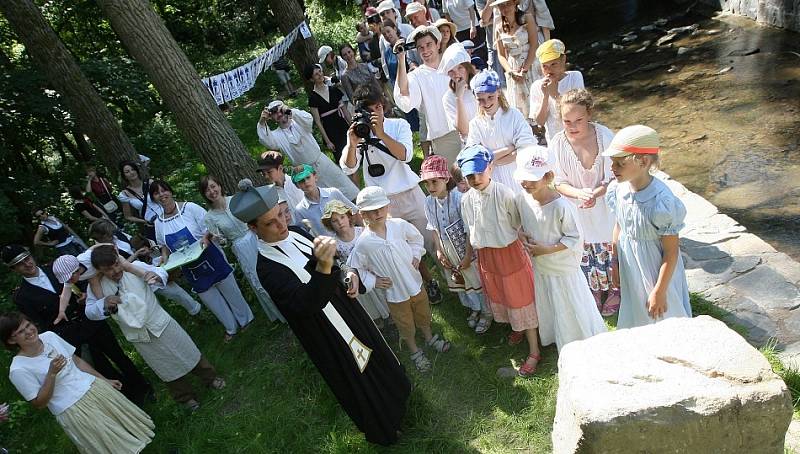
207	130
289	14
62	71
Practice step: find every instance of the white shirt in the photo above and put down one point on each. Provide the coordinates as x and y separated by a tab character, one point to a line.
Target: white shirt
491	216
571	80
41	280
507	128
296	141
153	208
459	13
391	257
426	87
28	374
552	224
398	176
53	223
597	222
449	103
312	211
95	304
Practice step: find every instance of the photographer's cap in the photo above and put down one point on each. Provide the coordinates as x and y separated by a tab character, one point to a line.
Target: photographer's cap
486	81
64	266
274	104
306	171
371	198
474	159
423	29
636	139
533	162
550	50
14	253
323	52
412	8
251	202
468	44
386	5
452	57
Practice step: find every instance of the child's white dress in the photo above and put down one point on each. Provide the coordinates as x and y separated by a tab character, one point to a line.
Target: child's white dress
643	218
564	303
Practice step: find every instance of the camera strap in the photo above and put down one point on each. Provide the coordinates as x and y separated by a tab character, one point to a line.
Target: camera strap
375	142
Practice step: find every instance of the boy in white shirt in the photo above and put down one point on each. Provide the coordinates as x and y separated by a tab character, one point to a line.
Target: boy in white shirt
392	248
545	92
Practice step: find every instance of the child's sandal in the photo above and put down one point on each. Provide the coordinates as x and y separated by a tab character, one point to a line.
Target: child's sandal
527	370
472	320
483	325
421	361
440	344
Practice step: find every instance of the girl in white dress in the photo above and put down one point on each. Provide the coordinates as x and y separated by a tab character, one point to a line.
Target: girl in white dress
582	175
455	254
516	40
337	218
499	127
564	304
96	417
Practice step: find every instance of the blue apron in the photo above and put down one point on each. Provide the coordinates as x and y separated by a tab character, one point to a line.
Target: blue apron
207	270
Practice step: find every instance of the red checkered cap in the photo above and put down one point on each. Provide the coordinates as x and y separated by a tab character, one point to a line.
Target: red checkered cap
434	166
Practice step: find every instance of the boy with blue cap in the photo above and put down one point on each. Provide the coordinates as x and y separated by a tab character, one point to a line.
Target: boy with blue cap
490	213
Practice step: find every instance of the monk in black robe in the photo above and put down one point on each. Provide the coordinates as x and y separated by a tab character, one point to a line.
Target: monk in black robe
335	331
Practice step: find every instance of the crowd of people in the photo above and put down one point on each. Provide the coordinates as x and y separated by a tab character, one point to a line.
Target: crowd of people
536	216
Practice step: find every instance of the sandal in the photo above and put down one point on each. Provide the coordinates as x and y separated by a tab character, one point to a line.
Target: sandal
611	306
515	337
228	338
440	344
472	320
192	405
527	370
421	361
483	325
218	383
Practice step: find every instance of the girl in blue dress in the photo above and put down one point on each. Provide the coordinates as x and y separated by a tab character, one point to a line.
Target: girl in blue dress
651	275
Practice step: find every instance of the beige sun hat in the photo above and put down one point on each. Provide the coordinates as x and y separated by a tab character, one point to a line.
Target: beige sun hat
449	24
414	8
636	139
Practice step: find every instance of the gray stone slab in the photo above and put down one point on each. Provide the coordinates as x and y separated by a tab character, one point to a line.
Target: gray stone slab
767	288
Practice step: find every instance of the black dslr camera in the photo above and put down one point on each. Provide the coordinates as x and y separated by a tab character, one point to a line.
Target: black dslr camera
404	45
363	122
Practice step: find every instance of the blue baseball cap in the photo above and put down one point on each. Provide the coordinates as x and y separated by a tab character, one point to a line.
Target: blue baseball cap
486	81
474	159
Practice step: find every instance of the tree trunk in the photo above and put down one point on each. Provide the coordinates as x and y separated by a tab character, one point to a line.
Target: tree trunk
289	14
61	69
207	130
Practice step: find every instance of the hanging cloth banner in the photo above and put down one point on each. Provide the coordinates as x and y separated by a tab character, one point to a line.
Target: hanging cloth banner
234	83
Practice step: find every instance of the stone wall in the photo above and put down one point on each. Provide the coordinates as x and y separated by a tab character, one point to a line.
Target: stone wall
778	13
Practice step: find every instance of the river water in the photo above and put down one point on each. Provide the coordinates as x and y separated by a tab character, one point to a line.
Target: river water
729	123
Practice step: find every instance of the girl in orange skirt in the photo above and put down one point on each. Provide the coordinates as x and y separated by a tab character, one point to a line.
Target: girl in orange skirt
488	210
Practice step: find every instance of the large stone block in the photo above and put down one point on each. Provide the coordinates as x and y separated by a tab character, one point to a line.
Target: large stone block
679	386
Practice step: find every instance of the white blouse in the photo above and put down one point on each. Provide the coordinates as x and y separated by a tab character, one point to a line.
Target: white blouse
391	257
491	216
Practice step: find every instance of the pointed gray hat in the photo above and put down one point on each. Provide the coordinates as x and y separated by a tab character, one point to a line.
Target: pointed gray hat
251	202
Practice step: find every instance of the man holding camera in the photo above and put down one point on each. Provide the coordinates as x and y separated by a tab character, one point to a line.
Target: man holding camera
383	147
294	138
409	89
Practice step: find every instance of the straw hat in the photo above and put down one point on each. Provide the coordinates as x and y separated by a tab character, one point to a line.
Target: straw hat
636	139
